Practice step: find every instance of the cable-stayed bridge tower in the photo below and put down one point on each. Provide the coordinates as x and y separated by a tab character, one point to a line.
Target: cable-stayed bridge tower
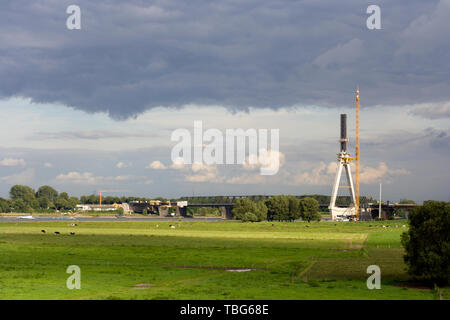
344	160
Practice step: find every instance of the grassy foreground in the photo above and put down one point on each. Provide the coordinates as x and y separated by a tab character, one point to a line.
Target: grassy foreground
150	260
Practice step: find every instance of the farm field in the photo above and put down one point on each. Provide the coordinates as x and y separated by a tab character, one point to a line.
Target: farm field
201	260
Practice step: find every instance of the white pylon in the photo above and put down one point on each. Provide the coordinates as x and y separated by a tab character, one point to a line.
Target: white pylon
341	212
344	160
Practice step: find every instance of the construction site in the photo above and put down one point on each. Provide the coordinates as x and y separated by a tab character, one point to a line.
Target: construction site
346	184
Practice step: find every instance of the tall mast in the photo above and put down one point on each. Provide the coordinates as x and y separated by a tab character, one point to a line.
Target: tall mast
357	155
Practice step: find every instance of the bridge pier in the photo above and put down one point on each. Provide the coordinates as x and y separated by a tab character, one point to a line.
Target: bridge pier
181	211
163	211
226	212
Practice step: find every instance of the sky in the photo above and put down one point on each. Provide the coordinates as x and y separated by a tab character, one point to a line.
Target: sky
95	108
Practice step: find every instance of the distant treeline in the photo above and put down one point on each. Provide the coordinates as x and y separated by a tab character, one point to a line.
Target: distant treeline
46	199
321	199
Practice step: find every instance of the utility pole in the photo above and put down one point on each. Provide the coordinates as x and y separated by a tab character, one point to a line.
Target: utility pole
379	204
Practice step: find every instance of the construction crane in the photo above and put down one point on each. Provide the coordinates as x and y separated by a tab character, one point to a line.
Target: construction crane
105	191
357	155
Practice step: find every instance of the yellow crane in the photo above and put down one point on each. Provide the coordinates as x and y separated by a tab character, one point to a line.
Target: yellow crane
105	191
357	155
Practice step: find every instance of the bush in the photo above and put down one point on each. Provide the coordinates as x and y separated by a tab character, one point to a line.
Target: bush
249	217
427	242
242	206
245	206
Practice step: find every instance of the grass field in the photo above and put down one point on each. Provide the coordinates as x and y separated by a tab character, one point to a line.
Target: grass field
150	260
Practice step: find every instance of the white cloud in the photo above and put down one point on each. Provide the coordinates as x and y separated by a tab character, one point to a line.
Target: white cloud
266	159
204	173
323	174
209	176
247	179
156	165
89	178
178	164
370	175
122	164
48	165
25	177
11	162
319	175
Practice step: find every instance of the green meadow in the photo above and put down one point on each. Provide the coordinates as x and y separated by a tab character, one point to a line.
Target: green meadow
200	260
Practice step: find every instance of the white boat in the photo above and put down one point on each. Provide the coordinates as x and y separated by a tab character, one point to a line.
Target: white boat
27	217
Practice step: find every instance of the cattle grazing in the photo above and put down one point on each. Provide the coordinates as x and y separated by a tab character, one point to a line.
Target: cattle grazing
56	232
43	231
72	233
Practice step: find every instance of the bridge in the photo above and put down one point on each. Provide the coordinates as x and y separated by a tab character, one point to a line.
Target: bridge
369	211
162	208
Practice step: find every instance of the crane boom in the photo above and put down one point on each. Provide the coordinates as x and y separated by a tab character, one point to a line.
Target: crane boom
357	155
105	191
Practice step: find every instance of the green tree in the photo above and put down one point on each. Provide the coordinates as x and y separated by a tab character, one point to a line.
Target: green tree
427	242
309	209
261	211
20	206
72	202
24	193
294	208
405	201
34	204
61	204
45	203
278	208
64	195
242	206
47	192
5	205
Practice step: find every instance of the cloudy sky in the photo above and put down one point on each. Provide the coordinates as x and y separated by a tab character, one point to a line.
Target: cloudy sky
94	108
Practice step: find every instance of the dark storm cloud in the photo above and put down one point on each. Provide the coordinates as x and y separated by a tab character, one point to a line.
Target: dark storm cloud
91	135
134	55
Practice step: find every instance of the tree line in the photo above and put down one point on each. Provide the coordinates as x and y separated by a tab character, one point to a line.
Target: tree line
279	208
26	199
47	199
321	199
